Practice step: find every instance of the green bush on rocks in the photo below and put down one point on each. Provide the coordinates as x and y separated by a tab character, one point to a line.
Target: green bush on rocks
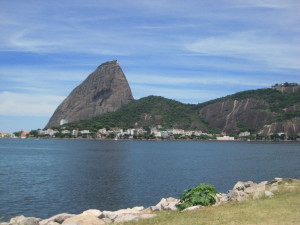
203	194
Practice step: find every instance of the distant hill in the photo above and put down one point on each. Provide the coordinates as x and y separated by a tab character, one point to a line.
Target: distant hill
263	111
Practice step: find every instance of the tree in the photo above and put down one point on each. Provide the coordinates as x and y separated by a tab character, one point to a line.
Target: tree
18	133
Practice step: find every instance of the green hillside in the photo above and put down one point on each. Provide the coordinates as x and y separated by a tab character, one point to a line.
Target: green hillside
278	102
147	112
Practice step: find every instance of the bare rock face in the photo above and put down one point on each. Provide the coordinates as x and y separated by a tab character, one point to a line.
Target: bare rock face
289	89
290	126
224	115
104	90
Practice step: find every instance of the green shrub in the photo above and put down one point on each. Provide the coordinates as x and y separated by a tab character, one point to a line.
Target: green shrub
203	194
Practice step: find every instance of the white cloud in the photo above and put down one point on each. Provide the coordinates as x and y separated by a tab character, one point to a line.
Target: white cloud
253	46
189	80
18	104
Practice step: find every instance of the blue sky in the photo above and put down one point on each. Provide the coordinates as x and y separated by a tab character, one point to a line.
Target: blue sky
191	51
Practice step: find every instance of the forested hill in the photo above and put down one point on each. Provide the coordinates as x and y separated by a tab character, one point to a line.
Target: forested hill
147	112
263	111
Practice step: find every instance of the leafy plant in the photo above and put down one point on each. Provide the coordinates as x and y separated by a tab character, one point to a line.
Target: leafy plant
203	194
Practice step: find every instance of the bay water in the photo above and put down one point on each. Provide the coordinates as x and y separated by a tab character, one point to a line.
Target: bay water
41	178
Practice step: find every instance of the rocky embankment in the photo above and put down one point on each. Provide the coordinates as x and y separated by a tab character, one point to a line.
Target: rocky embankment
241	191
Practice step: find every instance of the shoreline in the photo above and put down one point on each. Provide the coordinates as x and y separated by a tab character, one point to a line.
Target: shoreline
158	140
241	191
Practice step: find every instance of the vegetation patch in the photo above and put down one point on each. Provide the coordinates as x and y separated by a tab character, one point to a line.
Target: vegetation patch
204	194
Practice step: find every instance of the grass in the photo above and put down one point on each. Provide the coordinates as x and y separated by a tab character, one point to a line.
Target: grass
282	208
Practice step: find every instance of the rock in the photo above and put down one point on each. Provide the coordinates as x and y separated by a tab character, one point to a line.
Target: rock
223	114
104	90
192	208
278	179
71	223
84	220
134	210
108	214
234	195
126	218
57	219
166	204
221	198
258	195
146	211
94	212
261	187
106	220
274	188
269	194
155	208
52	223
239	186
22	220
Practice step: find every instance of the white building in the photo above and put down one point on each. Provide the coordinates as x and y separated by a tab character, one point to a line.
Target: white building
85	132
65	132
225	138
50	132
75	132
176	131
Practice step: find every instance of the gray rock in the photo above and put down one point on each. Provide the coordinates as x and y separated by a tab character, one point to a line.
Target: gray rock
51	223
57	218
126	218
221	198
84	220
94	212
133	210
258	195
261	187
104	90
155	208
106	220
274	188
229	111
269	194
71	223
22	220
166	204
235	195
108	214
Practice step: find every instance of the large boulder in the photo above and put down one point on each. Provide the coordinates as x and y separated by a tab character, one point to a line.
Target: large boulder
166	204
84	220
22	220
56	219
261	187
94	212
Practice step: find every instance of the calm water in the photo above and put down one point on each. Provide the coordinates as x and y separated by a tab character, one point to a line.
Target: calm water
42	178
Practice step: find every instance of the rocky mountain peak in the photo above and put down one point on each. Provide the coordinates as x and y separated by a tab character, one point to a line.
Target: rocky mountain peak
104	90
